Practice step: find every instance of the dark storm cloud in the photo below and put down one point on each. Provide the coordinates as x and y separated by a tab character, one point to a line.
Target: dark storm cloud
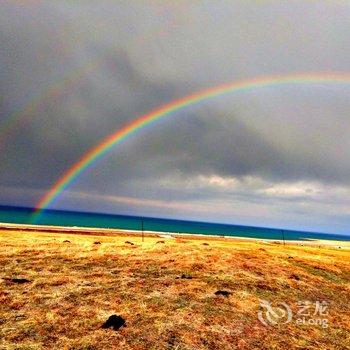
281	147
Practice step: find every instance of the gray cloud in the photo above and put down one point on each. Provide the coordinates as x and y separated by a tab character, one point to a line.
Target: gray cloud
280	144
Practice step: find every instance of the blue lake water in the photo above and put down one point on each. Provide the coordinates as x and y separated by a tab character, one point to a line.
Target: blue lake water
68	218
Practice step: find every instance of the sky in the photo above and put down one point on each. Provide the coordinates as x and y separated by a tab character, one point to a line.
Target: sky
72	72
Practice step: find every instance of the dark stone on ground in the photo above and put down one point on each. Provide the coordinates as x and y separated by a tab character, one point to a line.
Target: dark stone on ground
224	293
205	243
160	242
66	241
294	277
128	242
97	242
20	317
184	276
17	280
171	340
114	322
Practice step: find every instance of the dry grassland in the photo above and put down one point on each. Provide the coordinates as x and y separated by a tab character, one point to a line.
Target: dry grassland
166	292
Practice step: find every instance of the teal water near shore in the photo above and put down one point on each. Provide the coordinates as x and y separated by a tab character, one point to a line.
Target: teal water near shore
67	218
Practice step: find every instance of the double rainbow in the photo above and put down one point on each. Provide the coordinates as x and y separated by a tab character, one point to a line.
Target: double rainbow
53	90
132	128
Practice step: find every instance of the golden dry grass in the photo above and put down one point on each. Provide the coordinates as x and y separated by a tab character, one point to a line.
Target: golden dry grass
75	287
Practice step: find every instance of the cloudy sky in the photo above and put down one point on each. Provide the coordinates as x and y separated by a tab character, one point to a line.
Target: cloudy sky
72	72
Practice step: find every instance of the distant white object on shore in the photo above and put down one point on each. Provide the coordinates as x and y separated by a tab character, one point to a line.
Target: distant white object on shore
167	235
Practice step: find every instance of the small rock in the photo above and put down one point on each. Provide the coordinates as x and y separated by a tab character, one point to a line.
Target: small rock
171	340
114	322
97	242
17	280
20	317
224	293
128	242
205	243
187	277
294	277
66	241
86	283
160	242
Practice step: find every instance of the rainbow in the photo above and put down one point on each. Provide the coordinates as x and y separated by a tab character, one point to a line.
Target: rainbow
167	110
53	90
58	87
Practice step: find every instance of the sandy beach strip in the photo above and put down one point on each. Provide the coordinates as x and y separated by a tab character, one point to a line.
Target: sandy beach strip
166	235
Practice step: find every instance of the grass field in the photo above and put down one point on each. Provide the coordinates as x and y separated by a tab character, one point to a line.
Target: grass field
166	292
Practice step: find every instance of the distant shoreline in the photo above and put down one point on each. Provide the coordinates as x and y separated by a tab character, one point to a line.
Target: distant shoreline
99	222
93	231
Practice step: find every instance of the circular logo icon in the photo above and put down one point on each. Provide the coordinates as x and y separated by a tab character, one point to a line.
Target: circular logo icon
273	315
